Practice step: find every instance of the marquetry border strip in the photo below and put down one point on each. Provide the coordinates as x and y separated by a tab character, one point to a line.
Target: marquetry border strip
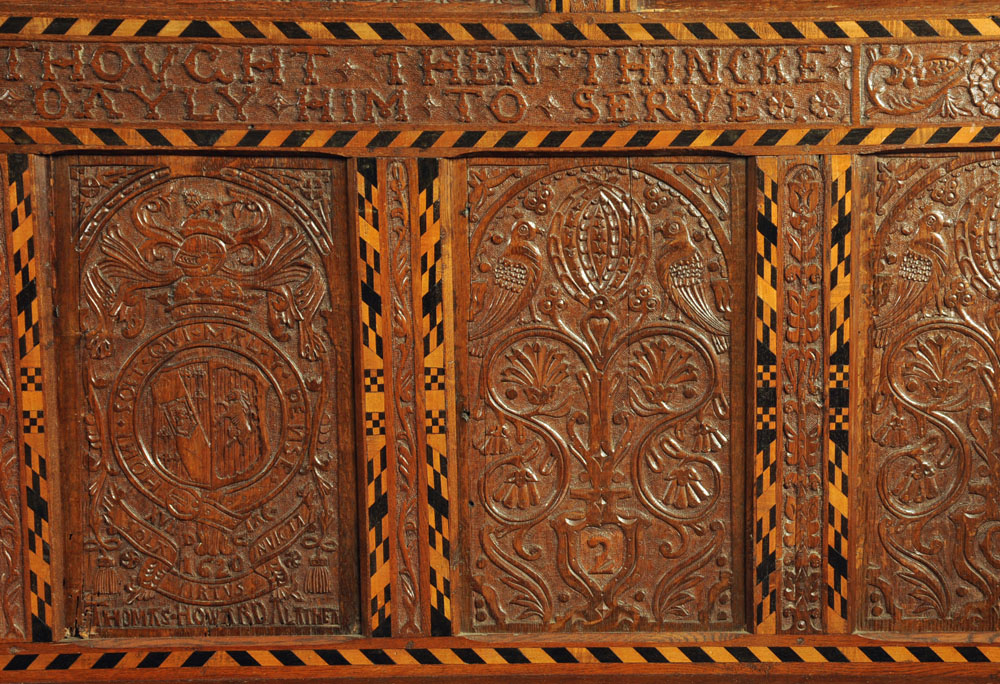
749	140
765	476
432	297
24	290
838	450
564	28
372	329
526	655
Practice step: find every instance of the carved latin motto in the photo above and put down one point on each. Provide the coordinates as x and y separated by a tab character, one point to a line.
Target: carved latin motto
932	545
600	437
209	381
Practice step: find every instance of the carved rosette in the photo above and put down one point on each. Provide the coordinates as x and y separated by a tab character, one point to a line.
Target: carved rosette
213	489
930	555
600	421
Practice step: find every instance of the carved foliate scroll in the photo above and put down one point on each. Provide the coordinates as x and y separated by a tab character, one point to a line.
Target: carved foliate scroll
930	558
602	409
802	395
214	488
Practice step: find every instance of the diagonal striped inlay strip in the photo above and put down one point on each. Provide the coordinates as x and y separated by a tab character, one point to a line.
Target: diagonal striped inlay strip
24	287
563	29
764	141
407	658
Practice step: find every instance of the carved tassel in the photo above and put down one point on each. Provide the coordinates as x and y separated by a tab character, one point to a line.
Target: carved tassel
319	580
107	580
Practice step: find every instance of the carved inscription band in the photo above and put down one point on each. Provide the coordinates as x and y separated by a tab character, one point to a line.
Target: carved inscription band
660	86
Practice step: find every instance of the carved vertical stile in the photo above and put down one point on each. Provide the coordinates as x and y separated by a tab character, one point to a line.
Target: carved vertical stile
408	591
803	361
12	515
838	452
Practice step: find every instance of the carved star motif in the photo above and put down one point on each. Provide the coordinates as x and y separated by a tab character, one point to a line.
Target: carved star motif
558	66
279	103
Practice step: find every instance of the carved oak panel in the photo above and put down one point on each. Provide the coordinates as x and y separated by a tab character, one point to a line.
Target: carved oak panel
930	484
202	330
602	395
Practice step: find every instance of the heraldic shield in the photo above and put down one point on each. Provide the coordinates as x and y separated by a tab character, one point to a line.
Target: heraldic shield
210	421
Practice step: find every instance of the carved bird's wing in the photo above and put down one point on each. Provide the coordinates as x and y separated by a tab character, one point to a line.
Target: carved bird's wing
503	295
689	292
915	272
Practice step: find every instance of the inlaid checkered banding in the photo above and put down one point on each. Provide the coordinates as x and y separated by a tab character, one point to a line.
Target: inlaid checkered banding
765	140
373	397
432	293
337	661
838	387
564	28
765	533
24	288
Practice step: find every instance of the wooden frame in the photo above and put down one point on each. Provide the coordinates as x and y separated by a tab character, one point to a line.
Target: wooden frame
400	203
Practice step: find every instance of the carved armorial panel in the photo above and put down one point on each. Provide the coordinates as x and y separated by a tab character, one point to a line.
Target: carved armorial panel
601	393
930	353
206	393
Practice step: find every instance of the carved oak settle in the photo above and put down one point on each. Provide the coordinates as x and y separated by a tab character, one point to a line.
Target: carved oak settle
568	339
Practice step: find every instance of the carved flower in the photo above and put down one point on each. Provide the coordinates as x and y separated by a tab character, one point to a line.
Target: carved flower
539	201
496	442
781	105
918	484
684	488
292	558
984	83
519	488
129	559
824	104
538	370
938	370
664	371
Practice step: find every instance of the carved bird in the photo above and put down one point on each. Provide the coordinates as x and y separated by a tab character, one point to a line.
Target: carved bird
682	273
909	282
507	290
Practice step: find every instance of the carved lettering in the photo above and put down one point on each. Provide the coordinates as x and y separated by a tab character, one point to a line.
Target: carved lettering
540	85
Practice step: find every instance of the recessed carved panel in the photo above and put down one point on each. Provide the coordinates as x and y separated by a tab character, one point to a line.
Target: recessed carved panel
931	353
931	82
602	396
211	482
